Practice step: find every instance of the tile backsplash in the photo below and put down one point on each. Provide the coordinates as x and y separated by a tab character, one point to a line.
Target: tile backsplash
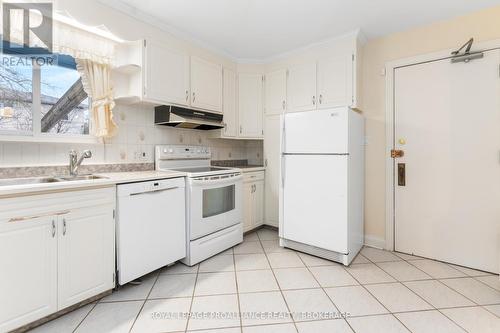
134	143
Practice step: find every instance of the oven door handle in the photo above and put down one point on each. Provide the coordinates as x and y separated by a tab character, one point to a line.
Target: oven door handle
219	181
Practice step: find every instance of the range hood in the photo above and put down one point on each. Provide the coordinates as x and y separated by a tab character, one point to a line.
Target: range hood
176	116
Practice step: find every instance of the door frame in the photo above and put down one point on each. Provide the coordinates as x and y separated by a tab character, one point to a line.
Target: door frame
390	68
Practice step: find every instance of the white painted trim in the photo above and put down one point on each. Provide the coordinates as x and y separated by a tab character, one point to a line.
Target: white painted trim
390	67
374	241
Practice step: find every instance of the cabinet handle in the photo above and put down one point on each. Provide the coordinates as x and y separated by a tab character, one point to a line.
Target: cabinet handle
265	162
194	96
283	105
320	99
64	227
53	228
241	129
314	100
187	95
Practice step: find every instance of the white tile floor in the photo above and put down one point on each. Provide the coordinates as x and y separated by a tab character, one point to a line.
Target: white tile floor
381	292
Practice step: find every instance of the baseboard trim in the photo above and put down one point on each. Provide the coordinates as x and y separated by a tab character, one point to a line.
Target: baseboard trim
375	241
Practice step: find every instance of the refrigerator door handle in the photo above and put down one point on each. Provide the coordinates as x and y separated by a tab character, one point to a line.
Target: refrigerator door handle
283	136
283	169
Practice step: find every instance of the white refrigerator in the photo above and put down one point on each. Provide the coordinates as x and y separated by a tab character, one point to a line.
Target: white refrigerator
322	187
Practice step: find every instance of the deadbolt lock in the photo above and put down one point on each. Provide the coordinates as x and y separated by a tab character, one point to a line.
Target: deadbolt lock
396	153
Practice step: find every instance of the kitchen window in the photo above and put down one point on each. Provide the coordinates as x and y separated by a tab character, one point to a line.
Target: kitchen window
42	103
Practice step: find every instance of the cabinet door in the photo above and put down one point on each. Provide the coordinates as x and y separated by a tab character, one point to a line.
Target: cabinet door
166	75
229	106
86	253
301	87
258	203
247	206
206	85
335	81
275	92
272	149
28	261
250	105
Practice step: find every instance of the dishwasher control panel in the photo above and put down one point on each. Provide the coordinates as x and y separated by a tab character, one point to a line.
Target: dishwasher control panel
150	186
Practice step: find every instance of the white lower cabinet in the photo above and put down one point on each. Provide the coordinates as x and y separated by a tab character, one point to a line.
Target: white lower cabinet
84	256
253	200
55	251
28	279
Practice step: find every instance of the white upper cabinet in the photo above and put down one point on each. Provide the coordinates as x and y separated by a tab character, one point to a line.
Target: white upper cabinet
229	104
301	87
206	85
250	105
275	92
335	81
166	74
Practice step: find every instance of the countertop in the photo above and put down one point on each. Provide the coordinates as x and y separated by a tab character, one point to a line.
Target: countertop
251	168
110	180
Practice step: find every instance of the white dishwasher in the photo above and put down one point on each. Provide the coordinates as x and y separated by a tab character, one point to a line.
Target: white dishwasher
151	226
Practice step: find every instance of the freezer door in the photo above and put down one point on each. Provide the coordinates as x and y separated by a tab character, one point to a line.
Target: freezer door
315	200
316	132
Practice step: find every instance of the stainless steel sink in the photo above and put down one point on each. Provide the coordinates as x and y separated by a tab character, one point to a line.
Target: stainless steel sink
45	180
82	177
26	181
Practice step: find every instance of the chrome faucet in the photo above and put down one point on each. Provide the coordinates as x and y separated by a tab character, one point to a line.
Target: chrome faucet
74	161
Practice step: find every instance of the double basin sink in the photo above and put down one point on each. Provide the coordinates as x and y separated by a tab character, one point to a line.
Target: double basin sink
45	180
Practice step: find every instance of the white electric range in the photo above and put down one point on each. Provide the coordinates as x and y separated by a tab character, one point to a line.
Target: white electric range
214	214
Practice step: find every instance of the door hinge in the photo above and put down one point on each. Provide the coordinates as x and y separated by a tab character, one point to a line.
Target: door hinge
114	214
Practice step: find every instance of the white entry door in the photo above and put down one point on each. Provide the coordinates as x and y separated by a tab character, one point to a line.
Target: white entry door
447	198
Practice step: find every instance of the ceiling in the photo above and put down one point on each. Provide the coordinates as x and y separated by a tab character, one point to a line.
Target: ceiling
259	30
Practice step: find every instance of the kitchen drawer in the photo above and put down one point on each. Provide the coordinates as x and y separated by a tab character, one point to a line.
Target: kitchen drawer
253	176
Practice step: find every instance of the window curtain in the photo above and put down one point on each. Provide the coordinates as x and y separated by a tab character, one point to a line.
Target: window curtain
93	48
97	84
94	54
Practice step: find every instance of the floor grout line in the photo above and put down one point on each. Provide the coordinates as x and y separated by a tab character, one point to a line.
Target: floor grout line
369	292
144	303
322	288
418	294
279	287
85	317
192	296
237	290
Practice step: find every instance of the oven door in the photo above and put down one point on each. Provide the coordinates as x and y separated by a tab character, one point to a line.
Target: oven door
215	203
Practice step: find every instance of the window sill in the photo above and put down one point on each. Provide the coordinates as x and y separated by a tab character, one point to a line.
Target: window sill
49	139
